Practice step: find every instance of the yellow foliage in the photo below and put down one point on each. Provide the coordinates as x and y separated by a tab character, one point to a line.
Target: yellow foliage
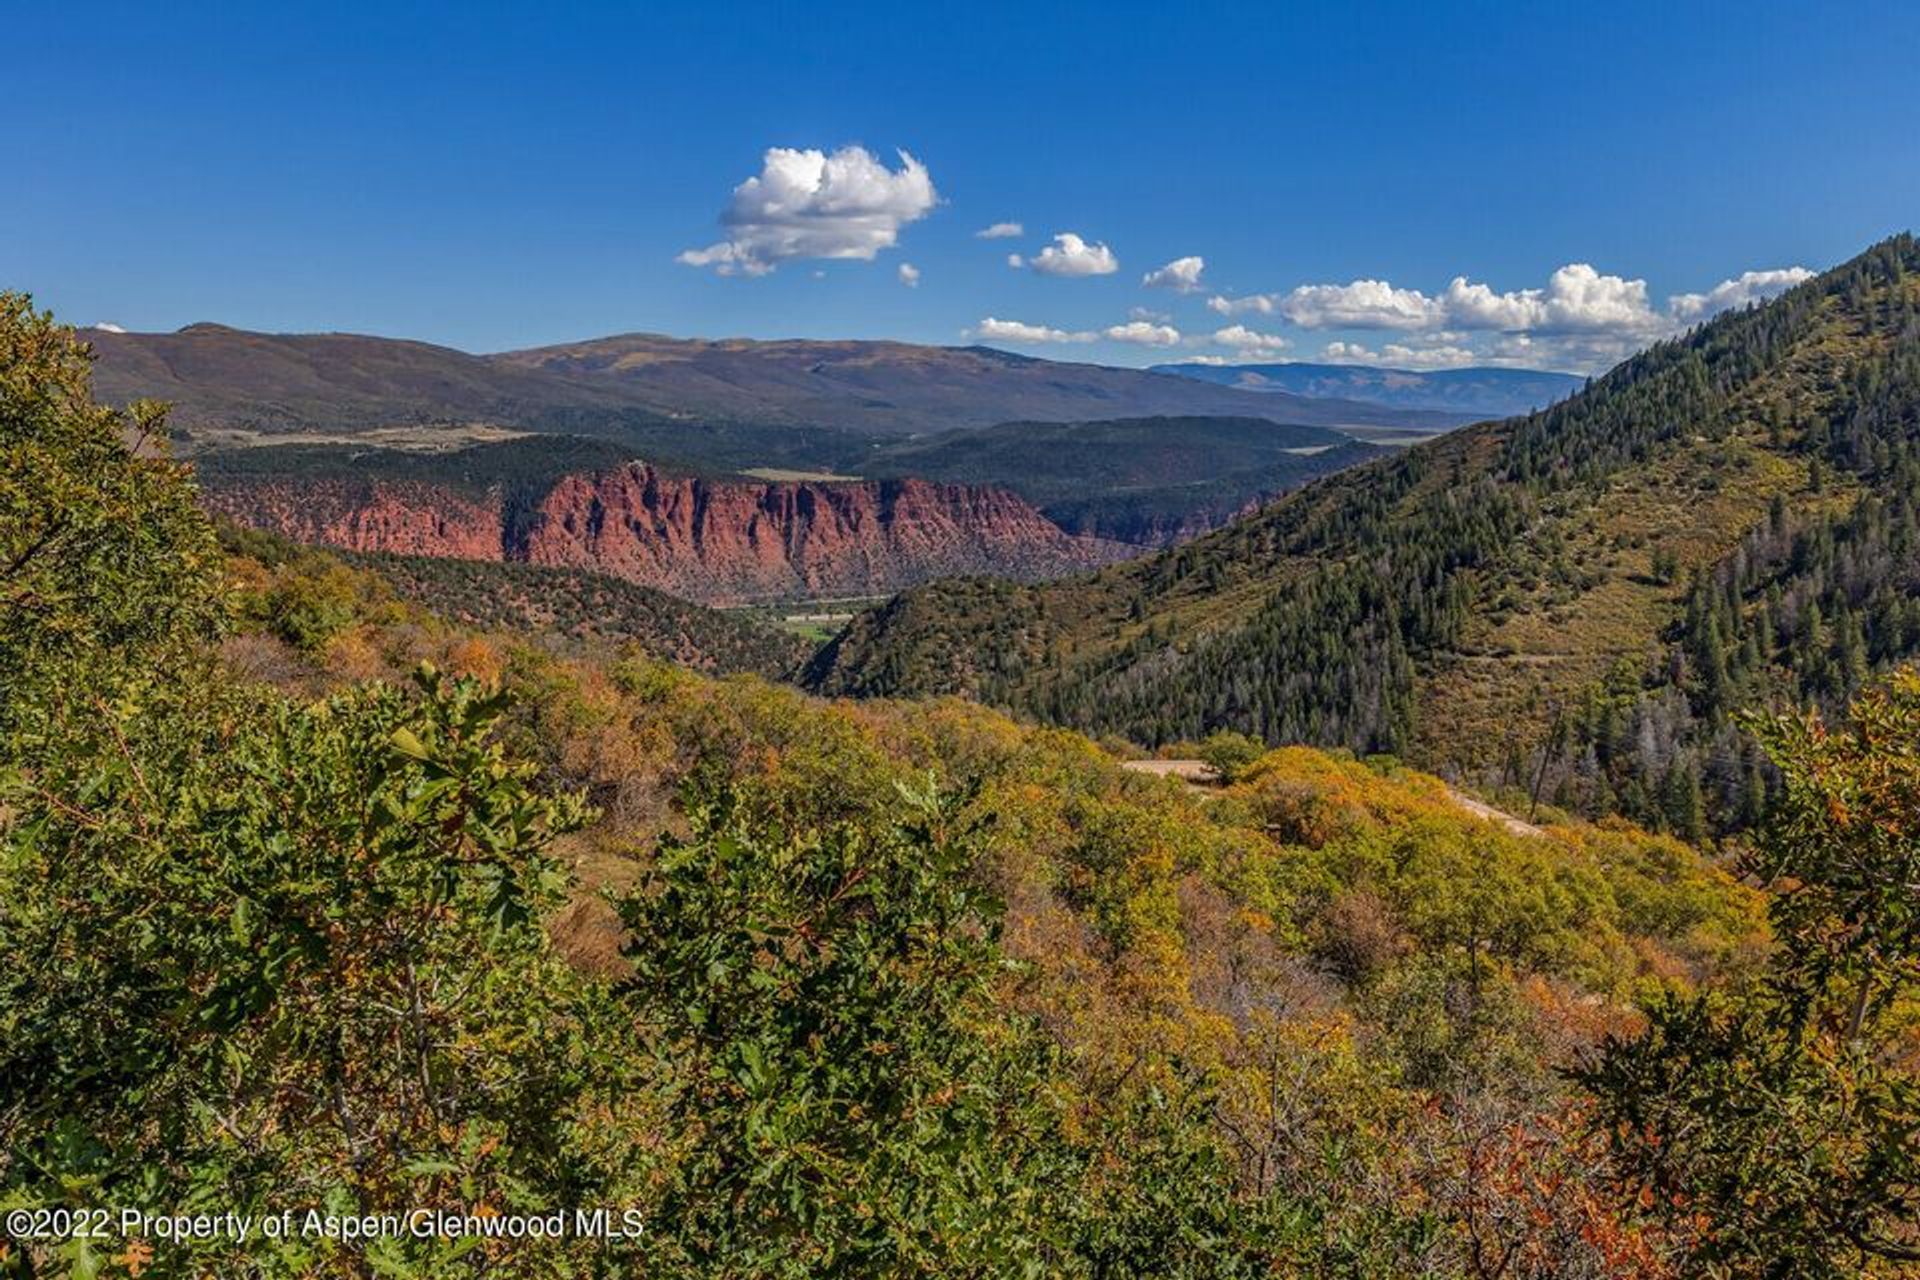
1320	920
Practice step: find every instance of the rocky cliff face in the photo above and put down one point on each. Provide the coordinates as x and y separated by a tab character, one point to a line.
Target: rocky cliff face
715	541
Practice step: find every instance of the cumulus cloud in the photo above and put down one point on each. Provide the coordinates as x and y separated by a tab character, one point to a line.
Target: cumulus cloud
1015	261
1440	357
1581	320
1400	356
1746	288
1363	304
1000	231
1145	334
1577	299
1250	342
1586	320
992	329
1262	303
811	204
1568	352
1069	255
1477	306
909	275
1343	352
1182	275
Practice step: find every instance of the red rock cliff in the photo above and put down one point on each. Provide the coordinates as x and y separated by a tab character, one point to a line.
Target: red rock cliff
716	541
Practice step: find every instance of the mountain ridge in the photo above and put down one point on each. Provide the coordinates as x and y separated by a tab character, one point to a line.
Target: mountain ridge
1539	588
231	385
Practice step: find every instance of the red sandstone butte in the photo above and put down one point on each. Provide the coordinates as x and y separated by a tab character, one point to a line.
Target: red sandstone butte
716	541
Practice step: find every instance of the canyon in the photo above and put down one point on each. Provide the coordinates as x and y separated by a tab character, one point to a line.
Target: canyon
717	541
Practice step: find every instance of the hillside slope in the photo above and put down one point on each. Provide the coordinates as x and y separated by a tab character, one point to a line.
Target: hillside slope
1139	480
897	387
227	383
578	604
308	596
1569	601
218	376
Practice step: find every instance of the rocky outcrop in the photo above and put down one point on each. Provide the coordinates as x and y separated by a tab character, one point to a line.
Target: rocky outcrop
716	541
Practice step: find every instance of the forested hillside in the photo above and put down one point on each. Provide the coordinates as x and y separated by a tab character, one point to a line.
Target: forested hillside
307	596
1137	480
1564	604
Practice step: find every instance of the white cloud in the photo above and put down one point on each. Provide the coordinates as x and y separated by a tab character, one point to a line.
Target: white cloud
1441	357
1748	287
1015	261
909	275
1581	320
809	204
1567	352
995	330
1069	255
1363	304
1250	342
1144	334
1577	299
1347	352
1399	355
105	327
1000	231
1263	303
1182	275
1477	306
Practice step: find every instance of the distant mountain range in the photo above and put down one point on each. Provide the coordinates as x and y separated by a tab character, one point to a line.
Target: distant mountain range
1478	393
732	470
230	384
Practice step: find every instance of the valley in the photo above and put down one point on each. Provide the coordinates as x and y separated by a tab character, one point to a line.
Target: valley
573	805
1516	603
727	472
906	642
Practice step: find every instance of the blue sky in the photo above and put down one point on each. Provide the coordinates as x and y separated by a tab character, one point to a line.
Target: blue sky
498	176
